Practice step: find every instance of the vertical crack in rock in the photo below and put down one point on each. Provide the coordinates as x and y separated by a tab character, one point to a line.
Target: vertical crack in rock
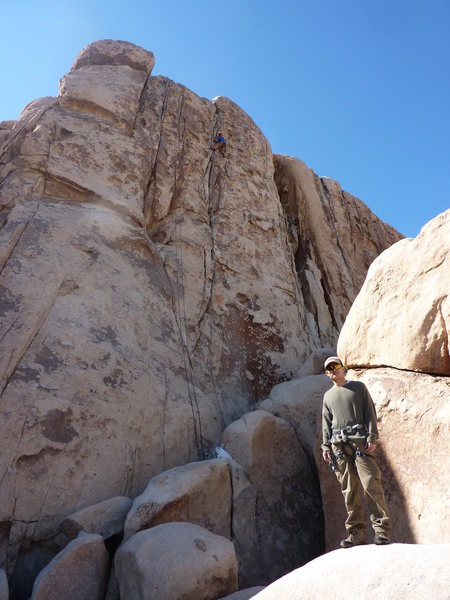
9	329
208	293
445	346
292	274
51	141
47	493
151	178
230	475
9	171
332	213
177	303
188	367
292	206
16	453
187	359
126	487
207	188
134	457
14	240
341	248
165	399
446	330
327	294
140	104
16	357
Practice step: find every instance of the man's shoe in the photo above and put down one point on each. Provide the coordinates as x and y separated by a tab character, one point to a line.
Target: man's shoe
381	539
352	540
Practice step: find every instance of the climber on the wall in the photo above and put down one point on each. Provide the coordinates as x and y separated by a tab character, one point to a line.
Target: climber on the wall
220	143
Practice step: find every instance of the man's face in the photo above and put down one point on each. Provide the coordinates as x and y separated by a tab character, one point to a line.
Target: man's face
334	371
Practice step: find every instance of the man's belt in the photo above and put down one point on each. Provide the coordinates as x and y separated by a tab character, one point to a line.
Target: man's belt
343	432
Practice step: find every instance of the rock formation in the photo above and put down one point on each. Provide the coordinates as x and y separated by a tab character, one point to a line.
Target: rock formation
405	299
205	564
397	571
198	492
78	572
152	290
288	510
334	239
106	518
299	402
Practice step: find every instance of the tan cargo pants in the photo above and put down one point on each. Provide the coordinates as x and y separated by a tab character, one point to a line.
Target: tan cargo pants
351	467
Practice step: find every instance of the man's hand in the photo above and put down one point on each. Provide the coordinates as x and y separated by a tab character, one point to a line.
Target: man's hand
326	456
370	448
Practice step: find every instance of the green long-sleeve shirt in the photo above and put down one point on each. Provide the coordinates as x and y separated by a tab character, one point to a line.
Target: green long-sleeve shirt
350	404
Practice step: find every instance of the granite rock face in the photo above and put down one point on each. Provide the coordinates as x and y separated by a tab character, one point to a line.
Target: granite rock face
374	572
406	300
334	239
151	289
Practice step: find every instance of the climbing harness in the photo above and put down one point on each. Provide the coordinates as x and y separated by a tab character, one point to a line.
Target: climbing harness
341	435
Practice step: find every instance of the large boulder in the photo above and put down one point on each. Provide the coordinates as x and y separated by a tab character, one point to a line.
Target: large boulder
289	524
78	572
401	317
176	561
397	571
113	52
198	492
299	402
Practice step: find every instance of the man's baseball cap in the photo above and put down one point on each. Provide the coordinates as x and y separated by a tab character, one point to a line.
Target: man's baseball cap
332	360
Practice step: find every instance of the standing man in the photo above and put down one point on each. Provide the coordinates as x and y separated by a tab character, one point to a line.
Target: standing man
350	433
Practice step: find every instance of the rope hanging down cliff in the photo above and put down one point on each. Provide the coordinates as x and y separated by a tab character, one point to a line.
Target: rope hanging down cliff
188	367
210	184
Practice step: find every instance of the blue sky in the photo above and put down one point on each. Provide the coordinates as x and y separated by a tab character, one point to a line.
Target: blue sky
358	89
